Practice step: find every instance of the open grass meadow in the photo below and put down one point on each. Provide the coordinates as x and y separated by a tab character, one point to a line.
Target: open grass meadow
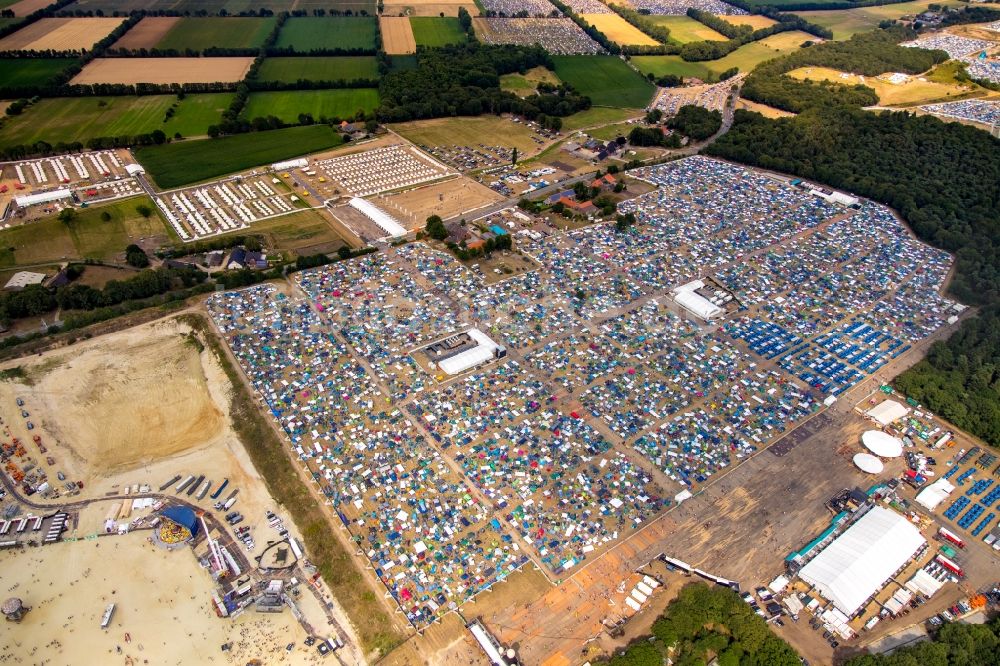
598	116
185	162
744	58
19	72
305	33
303	232
847	22
684	29
87	237
230	33
466	131
607	80
342	103
80	118
323	68
436	31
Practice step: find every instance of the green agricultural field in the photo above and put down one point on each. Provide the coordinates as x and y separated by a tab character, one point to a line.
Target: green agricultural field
199	34
185	162
87	237
745	58
303	232
847	22
325	68
31	71
81	118
607	80
684	29
341	103
304	34
598	116
434	31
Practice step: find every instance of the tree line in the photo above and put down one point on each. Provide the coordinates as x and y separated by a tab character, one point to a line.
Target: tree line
464	80
955	644
742	34
944	179
704	624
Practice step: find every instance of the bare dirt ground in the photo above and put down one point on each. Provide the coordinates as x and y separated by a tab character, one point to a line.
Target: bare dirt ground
764	110
450	198
427	7
60	34
147	33
26	7
164	70
397	35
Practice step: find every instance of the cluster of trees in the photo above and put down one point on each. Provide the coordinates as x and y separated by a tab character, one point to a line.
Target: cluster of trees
136	257
465	20
640	19
695	122
435	228
742	34
653	136
973	14
944	179
490	245
705	623
955	645
465	80
870	53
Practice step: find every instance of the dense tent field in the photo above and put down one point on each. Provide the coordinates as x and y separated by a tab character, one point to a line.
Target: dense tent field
31	71
342	103
434	31
607	80
213	7
82	118
303	34
199	34
184	162
329	68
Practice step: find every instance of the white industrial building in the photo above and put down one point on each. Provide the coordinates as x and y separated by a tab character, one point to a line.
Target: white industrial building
23	279
858	563
385	221
43	197
484	351
687	297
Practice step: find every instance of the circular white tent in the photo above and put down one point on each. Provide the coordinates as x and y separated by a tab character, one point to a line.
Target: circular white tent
866	462
881	444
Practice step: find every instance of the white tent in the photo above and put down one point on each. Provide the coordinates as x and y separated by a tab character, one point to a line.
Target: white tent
924	583
932	496
858	563
470	358
888	411
42	197
378	216
695	303
866	462
882	444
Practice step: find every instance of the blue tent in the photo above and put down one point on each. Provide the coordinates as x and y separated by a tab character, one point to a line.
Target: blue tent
184	517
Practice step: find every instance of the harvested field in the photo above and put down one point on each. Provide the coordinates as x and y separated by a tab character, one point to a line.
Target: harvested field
447	199
428	8
303	34
147	33
164	70
228	33
60	34
437	31
619	30
684	29
397	35
26	7
916	90
762	109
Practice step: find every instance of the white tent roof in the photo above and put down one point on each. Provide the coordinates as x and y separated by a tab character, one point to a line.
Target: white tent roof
859	562
866	462
882	444
42	197
931	496
888	411
699	305
471	357
378	216
924	583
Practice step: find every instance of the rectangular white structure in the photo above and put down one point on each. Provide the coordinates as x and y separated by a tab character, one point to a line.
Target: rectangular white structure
42	197
932	496
887	412
385	221
472	357
858	563
290	164
695	303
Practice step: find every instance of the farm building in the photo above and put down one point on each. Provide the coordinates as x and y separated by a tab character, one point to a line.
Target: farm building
857	564
23	279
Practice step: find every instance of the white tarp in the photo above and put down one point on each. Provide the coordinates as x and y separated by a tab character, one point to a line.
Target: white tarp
887	412
387	222
858	563
932	496
882	444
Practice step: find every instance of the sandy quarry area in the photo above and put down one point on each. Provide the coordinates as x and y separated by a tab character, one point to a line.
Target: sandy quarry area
427	7
60	34
147	33
397	35
446	199
163	603
164	70
26	7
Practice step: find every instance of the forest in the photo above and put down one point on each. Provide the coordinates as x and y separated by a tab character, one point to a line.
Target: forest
705	623
955	645
464	80
944	179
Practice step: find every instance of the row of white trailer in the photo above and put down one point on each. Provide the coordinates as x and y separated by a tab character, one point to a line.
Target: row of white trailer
380	170
241	206
58	167
641	592
18	525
